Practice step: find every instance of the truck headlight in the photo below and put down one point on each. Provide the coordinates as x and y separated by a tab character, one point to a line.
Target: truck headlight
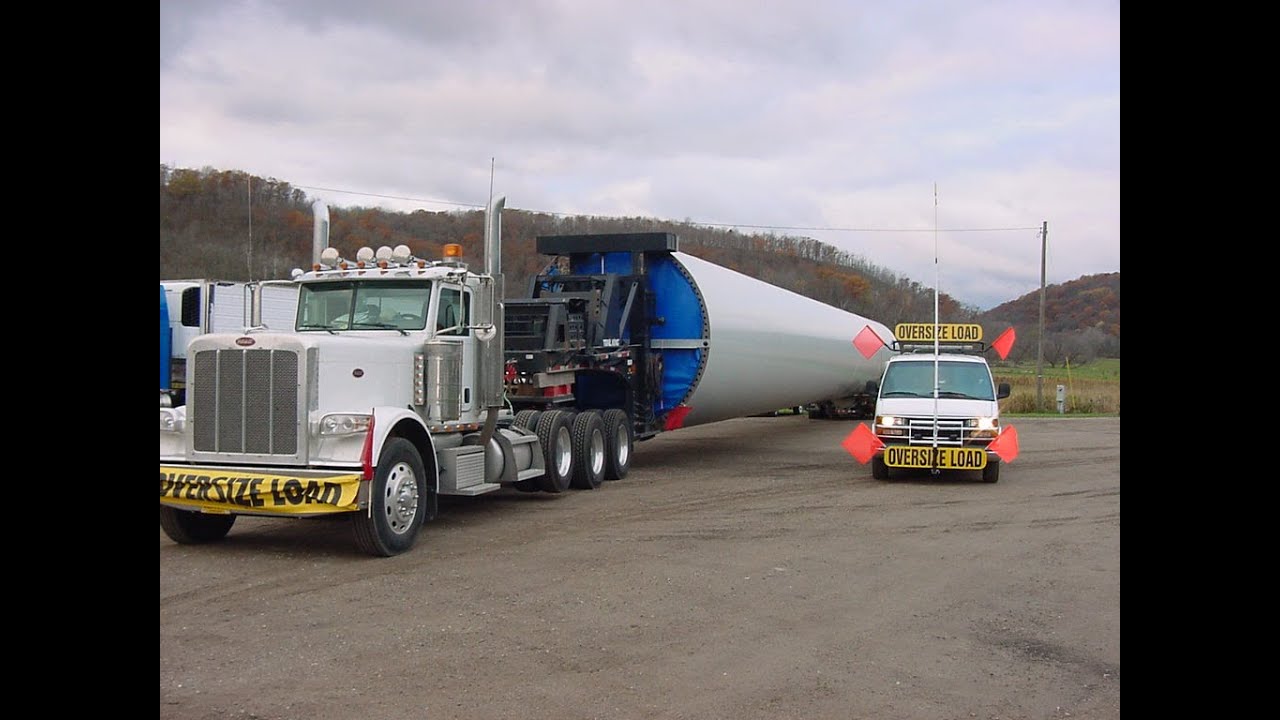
344	424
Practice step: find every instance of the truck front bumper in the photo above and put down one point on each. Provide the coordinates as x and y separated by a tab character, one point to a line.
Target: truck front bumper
258	491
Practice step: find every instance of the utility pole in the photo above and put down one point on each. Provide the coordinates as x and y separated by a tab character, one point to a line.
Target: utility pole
1044	242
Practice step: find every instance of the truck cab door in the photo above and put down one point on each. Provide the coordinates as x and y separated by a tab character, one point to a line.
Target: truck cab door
452	318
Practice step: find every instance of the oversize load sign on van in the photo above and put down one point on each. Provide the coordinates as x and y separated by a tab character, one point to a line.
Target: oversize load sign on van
949	458
950	332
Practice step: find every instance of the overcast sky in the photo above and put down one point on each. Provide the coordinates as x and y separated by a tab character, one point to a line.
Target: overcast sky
830	119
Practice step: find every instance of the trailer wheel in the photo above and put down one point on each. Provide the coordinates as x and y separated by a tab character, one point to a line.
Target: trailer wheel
194	528
399	502
879	470
588	450
991	473
618	444
557	451
526	419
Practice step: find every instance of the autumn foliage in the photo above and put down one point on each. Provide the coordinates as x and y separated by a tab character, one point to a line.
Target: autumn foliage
229	225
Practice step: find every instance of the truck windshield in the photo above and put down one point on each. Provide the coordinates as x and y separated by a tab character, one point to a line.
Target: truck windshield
971	381
363	305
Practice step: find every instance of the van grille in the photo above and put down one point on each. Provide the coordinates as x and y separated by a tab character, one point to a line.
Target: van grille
950	432
245	401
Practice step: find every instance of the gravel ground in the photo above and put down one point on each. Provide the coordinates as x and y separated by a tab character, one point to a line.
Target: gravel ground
744	569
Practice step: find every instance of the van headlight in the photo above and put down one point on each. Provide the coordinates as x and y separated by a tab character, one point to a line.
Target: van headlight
891	424
983	427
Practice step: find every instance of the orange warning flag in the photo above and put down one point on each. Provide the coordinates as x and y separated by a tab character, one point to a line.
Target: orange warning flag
868	342
862	444
1006	445
1004	343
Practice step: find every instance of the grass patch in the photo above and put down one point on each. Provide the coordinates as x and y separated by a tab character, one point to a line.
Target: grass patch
1092	389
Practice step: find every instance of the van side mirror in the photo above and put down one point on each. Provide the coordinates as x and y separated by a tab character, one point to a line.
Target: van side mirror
873	387
1003	391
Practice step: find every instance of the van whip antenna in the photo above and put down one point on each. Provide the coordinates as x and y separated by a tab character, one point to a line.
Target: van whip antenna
936	319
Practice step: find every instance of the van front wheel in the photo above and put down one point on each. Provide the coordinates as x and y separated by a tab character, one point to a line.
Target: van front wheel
991	473
879	470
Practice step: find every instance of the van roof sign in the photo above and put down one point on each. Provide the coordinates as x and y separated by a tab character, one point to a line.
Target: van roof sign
947	332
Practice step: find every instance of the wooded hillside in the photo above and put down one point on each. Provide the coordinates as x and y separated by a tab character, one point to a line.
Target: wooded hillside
227	225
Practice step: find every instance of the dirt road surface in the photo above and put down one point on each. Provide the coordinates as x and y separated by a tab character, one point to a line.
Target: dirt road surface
746	569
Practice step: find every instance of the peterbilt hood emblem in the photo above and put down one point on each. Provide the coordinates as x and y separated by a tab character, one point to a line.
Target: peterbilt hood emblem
245	341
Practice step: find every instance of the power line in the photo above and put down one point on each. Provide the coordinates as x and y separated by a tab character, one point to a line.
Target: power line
390	197
686	222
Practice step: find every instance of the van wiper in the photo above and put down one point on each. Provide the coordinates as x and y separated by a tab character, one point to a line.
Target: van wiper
901	393
954	394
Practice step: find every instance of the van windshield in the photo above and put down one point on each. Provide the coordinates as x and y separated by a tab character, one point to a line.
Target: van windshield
965	380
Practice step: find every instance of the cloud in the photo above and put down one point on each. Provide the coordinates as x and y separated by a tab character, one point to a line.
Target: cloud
836	117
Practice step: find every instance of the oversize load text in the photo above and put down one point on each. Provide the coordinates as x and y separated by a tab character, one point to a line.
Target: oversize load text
923	332
261	492
905	456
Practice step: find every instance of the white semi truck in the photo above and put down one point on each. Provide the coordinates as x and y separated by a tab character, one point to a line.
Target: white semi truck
403	379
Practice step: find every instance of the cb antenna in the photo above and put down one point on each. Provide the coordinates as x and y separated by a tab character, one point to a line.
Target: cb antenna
936	318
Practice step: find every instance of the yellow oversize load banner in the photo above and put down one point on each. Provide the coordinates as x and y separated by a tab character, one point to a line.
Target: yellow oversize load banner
948	458
222	490
947	332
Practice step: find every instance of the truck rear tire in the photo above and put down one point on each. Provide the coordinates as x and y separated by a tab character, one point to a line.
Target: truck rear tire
588	450
194	528
991	473
879	470
400	501
618	443
526	419
556	439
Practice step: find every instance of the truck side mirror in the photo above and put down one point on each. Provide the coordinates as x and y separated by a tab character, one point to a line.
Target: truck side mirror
1003	391
484	303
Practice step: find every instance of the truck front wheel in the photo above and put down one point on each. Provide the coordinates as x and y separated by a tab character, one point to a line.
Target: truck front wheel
399	502
194	528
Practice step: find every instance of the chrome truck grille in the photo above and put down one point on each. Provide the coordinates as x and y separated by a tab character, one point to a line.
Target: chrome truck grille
244	402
